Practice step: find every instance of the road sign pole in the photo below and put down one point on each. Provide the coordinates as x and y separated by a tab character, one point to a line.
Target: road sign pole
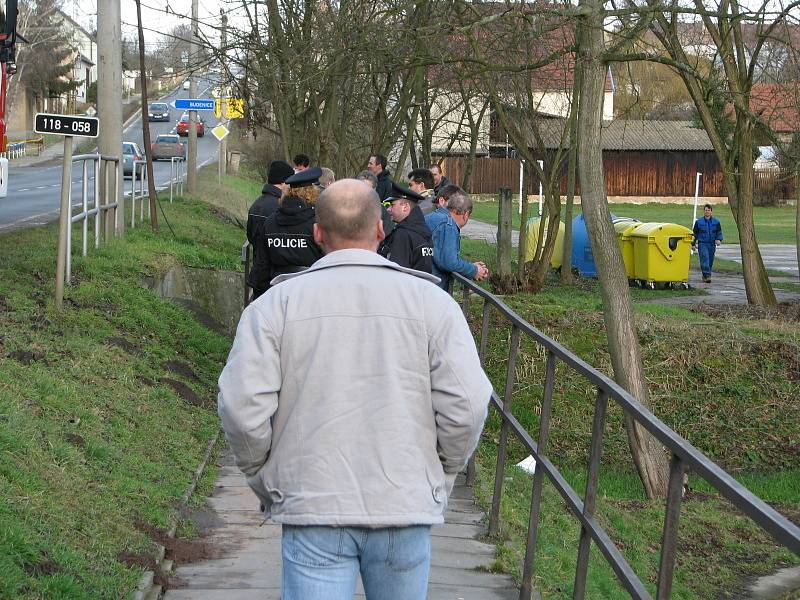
191	180
64	221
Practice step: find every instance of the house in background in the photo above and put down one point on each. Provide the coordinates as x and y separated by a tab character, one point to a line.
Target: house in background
82	57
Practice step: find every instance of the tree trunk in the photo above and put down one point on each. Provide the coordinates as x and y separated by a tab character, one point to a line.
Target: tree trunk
151	182
623	343
572	165
797	217
756	281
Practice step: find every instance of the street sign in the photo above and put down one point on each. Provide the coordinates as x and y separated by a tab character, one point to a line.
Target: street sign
220	131
234	108
194	103
91	111
67	125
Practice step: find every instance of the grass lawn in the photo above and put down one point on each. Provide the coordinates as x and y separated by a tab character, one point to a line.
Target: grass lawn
105	407
745	390
774	225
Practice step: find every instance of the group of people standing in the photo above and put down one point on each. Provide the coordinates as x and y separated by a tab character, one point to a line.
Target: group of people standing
421	221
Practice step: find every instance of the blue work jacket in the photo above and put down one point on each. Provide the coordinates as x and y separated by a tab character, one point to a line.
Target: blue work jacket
707	231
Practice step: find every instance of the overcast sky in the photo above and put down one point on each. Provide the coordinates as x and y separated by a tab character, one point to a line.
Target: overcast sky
158	16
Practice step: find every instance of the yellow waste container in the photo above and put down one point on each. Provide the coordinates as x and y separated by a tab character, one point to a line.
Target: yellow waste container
533	236
661	252
624	227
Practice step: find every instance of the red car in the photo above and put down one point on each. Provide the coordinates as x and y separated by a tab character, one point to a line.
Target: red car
183	126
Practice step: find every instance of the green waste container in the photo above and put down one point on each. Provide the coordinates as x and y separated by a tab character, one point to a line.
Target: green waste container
624	227
661	252
533	236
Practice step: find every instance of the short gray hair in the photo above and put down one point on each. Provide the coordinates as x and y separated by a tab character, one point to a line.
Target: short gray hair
459	202
369	177
348	210
327	177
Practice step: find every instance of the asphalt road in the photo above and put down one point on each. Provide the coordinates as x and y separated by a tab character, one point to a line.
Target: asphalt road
34	191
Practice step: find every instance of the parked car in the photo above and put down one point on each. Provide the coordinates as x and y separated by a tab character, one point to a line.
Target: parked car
183	126
130	153
186	84
166	146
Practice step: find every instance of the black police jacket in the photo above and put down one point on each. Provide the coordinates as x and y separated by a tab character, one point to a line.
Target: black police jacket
409	244
266	204
289	238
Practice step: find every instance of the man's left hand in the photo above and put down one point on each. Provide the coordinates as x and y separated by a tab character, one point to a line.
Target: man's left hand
717	242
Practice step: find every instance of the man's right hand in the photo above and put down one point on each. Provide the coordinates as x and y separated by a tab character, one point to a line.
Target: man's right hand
483	271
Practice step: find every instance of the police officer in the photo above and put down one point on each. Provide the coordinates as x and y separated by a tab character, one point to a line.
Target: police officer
289	232
409	244
266	204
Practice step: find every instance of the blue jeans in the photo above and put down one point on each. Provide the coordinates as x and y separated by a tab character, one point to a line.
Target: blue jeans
706	254
323	563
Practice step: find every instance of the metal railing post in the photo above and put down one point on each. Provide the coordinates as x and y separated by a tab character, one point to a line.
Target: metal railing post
68	267
142	174
669	539
133	197
584	545
526	589
508	398
85	195
97	214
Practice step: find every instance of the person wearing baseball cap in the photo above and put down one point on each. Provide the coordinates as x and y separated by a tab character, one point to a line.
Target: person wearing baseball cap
266	204
409	244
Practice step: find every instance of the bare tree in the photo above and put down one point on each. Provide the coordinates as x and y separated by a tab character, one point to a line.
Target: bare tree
623	343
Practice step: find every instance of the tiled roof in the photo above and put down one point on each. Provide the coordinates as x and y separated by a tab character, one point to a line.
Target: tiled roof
631	135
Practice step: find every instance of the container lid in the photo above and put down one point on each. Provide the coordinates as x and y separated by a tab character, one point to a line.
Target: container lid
653	230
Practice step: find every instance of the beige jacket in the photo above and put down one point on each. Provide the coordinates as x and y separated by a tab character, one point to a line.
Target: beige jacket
353	394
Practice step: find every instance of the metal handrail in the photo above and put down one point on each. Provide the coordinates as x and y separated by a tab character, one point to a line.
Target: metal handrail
683	454
140	167
97	209
177	175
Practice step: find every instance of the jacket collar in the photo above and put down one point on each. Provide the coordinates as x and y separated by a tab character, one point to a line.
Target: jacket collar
355	257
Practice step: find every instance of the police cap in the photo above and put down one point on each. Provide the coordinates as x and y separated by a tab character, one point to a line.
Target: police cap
399	191
305	178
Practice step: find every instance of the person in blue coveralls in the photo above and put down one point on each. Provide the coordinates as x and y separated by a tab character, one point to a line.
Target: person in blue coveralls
707	236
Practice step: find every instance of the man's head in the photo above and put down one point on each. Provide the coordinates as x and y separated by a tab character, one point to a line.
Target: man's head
436	171
446	193
401	202
459	204
420	180
301	162
327	177
348	216
369	177
377	163
707	210
279	172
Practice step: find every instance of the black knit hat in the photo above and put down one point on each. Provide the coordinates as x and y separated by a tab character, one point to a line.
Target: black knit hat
279	172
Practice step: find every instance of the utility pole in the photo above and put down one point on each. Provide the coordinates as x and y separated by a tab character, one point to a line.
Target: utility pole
151	184
191	178
109	102
223	145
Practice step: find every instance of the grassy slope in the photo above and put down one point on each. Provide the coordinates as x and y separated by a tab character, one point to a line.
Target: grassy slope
89	438
774	225
734	397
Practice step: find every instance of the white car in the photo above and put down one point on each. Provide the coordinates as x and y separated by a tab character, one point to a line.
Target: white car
186	84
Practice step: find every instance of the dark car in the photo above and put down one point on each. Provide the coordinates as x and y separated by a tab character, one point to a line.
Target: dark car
183	126
167	146
158	111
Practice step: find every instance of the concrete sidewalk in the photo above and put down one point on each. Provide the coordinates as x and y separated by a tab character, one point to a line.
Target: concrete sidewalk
248	564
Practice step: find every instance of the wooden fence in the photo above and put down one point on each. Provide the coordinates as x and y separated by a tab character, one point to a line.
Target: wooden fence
640	174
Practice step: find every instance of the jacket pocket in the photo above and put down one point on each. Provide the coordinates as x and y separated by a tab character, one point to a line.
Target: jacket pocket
438	487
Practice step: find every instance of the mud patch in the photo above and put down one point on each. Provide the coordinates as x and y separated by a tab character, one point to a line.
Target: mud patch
145	380
26	357
146	562
205	519
180	368
4	307
75	439
785	311
126	345
47	566
178	550
184	391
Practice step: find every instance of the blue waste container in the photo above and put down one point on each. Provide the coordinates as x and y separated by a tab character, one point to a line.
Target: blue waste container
582	258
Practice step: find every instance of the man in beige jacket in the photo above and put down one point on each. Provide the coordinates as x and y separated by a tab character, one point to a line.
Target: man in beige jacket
352	397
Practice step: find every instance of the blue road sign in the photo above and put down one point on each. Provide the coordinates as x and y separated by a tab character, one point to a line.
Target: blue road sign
194	103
